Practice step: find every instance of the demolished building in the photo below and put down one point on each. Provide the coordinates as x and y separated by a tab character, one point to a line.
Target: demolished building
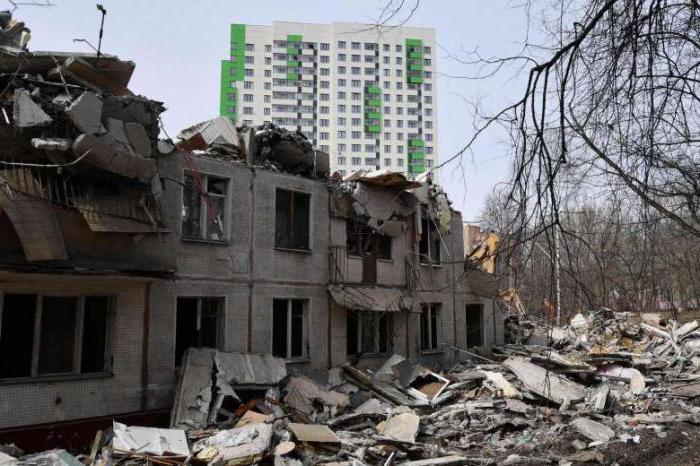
118	251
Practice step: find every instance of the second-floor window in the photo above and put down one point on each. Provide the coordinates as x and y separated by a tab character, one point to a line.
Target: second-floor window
292	219
363	241
204	207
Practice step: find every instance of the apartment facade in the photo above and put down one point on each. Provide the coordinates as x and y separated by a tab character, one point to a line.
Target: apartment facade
366	95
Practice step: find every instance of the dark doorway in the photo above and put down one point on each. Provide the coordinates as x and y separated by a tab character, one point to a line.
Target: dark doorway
474	320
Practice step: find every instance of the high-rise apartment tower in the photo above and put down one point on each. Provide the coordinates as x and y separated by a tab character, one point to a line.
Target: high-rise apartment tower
365	95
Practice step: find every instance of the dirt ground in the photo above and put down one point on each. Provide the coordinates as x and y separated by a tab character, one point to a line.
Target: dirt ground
679	448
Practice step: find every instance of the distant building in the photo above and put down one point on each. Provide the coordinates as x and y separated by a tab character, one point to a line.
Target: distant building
480	247
366	95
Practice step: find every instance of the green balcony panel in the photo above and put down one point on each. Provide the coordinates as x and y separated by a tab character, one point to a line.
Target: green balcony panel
293	51
416	143
415	67
415	54
414	43
415	79
373	90
373	103
293	63
373	115
294	38
373	128
416	156
292	76
416	169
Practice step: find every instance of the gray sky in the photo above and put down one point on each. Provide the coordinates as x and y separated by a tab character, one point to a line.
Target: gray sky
177	46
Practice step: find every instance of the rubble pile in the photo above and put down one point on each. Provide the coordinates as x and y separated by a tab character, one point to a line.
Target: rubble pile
265	145
610	381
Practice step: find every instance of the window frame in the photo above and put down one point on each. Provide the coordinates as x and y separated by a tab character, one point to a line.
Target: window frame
377	316
309	224
304	332
78	330
220	320
427	259
203	209
433	311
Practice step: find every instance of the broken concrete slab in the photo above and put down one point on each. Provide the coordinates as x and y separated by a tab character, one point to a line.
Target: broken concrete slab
149	440
498	384
545	383
313	433
239	446
593	430
302	394
86	113
402	427
26	113
110	158
250	368
138	138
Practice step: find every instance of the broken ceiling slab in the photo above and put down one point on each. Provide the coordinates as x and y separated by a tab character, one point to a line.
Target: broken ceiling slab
545	383
26	113
497	383
303	395
383	178
32	217
220	130
138	138
363	298
109	75
151	440
86	113
109	158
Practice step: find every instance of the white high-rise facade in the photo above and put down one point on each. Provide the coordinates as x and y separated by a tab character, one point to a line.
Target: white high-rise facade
365	95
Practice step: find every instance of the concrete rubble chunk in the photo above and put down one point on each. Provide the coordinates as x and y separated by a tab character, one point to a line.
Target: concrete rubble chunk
86	113
402	427
26	113
302	394
50	458
313	433
149	440
242	445
593	430
545	383
497	383
113	159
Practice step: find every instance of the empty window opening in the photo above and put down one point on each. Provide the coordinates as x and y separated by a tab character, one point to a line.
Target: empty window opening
429	244
369	333
289	328
198	324
53	335
363	241
292	219
474	322
204	207
430	326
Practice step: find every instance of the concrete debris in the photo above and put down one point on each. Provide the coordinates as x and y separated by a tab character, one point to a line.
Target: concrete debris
86	113
402	427
26	113
544	383
150	440
58	144
594	431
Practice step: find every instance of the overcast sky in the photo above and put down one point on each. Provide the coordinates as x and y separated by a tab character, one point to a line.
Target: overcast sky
177	46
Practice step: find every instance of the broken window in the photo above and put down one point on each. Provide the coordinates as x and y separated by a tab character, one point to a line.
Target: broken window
50	335
204	207
292	219
430	327
289	328
474	322
429	245
369	332
361	240
198	325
